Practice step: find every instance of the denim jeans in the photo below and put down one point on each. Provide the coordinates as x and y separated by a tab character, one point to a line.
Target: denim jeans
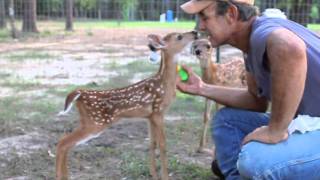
296	158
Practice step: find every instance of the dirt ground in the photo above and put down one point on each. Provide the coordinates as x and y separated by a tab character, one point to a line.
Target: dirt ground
36	74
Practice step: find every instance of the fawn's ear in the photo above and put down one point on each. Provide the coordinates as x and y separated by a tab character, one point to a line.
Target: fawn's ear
155	42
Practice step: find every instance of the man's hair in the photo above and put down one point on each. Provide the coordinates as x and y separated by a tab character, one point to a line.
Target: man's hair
246	11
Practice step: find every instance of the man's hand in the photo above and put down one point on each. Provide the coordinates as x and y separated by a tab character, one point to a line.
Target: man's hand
265	135
193	85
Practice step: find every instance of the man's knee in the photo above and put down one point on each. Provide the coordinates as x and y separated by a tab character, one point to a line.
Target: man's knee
245	166
223	116
250	162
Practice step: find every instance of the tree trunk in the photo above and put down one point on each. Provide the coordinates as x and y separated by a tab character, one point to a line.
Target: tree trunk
178	9
14	32
69	15
151	10
29	16
267	4
168	5
2	15
300	11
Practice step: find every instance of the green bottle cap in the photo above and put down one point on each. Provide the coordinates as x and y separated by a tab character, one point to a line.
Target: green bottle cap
182	73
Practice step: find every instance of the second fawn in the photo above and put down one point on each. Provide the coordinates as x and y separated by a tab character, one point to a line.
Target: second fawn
148	98
230	74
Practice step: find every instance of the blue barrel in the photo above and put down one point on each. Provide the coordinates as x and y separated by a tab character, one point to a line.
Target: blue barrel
169	16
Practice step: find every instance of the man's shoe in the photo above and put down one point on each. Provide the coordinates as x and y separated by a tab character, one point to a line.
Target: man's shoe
216	170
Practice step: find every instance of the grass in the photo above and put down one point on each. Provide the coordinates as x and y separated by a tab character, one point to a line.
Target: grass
92	24
4	35
141	65
25	112
30	55
18	84
187	105
28	166
135	167
314	27
57	27
133	24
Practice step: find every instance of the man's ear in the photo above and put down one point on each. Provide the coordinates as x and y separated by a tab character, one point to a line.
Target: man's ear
232	13
155	42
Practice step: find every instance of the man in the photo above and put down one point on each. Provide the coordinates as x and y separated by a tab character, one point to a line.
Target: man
282	61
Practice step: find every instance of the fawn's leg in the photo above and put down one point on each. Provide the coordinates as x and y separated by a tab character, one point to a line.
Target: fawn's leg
65	144
206	119
153	146
157	118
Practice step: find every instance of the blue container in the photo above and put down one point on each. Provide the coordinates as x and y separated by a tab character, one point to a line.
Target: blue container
169	16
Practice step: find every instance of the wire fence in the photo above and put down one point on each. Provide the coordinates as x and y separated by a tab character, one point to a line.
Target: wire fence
303	12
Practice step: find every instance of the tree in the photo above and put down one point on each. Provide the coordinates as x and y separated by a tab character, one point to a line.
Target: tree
128	9
300	11
14	32
29	16
314	13
267	4
2	14
69	14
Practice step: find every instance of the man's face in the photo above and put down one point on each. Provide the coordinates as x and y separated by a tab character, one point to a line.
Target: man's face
216	25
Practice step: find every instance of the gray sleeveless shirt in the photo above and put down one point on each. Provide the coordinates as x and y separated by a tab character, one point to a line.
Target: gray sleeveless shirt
256	61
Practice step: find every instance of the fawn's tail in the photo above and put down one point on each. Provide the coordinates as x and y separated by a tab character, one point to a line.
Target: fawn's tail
73	96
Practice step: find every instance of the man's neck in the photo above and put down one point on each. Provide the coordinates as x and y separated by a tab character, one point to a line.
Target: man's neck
241	37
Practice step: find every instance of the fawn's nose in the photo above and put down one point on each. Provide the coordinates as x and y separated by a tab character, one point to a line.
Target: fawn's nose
198	52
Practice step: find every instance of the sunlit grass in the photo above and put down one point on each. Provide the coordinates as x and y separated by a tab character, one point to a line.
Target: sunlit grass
314	27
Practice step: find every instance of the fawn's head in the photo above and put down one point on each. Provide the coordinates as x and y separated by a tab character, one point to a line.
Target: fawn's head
172	43
203	50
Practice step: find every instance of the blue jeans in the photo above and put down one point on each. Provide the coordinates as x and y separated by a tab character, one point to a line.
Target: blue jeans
296	158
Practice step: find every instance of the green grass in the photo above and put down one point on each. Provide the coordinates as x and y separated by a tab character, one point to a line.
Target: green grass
4	35
314	27
136	167
141	65
133	24
30	55
53	28
18	84
59	25
186	105
34	109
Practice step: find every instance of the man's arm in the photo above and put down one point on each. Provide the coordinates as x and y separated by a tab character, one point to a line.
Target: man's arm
287	61
237	97
288	64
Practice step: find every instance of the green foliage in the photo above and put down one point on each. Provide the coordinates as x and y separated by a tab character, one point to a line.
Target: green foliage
128	8
4	35
55	6
314	12
86	4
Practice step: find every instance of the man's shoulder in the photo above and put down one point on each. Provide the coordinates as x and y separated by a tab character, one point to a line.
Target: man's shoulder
261	29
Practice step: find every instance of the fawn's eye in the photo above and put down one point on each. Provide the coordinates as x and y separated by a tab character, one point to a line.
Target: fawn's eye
180	37
208	46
